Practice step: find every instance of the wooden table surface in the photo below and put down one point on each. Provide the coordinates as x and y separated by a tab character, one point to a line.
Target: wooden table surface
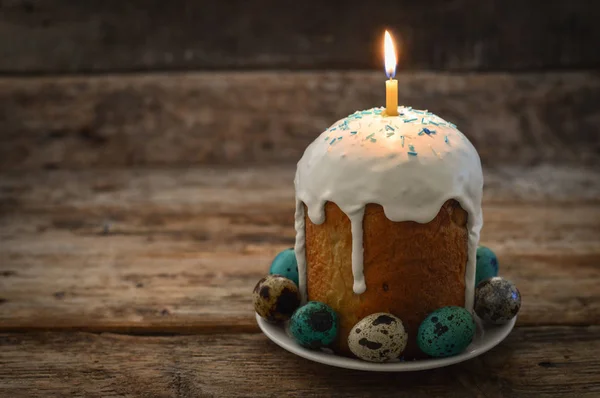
138	283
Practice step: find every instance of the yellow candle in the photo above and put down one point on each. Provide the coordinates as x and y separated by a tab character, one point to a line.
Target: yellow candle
391	86
391	97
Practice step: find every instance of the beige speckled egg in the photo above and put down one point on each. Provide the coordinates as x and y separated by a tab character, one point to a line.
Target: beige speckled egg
378	337
276	298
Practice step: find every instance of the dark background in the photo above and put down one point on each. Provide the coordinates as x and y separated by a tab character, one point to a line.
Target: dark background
145	83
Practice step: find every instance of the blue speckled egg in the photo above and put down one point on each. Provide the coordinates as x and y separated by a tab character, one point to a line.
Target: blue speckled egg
285	264
497	301
487	264
275	298
314	325
446	331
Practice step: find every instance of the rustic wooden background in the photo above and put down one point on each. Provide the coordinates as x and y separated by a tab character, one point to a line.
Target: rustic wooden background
154	83
147	152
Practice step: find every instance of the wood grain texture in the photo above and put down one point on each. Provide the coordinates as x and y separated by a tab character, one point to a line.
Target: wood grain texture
60	36
260	117
179	251
532	362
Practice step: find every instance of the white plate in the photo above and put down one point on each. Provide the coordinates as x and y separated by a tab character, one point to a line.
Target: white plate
485	339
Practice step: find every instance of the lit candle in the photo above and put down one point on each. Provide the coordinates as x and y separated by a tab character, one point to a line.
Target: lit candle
391	86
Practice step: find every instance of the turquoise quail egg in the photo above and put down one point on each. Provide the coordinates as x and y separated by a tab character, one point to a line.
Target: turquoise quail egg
446	332
285	264
314	325
487	264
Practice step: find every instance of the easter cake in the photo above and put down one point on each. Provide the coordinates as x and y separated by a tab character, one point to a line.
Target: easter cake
388	215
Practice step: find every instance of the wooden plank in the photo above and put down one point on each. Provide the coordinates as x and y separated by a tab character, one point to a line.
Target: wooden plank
75	36
532	362
179	251
259	117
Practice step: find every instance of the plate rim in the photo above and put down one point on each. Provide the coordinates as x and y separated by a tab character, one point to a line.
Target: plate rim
268	329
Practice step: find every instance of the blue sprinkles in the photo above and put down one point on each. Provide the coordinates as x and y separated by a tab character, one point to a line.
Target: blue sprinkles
425	130
332	141
446	140
353	132
412	150
410	120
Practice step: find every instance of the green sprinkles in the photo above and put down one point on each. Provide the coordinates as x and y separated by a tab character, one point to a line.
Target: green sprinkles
402	141
373	140
353	132
369	136
390	134
389	128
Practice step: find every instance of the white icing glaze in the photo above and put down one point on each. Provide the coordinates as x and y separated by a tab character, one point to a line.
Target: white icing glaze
391	161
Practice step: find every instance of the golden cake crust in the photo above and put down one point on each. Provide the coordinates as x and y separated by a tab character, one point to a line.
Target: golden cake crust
410	269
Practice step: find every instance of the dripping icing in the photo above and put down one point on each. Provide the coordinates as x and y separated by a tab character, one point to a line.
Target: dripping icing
356	222
358	171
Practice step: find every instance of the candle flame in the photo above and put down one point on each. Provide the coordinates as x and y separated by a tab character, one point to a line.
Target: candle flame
390	55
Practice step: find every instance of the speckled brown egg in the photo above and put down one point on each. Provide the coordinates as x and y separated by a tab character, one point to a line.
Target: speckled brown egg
497	300
378	337
276	298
